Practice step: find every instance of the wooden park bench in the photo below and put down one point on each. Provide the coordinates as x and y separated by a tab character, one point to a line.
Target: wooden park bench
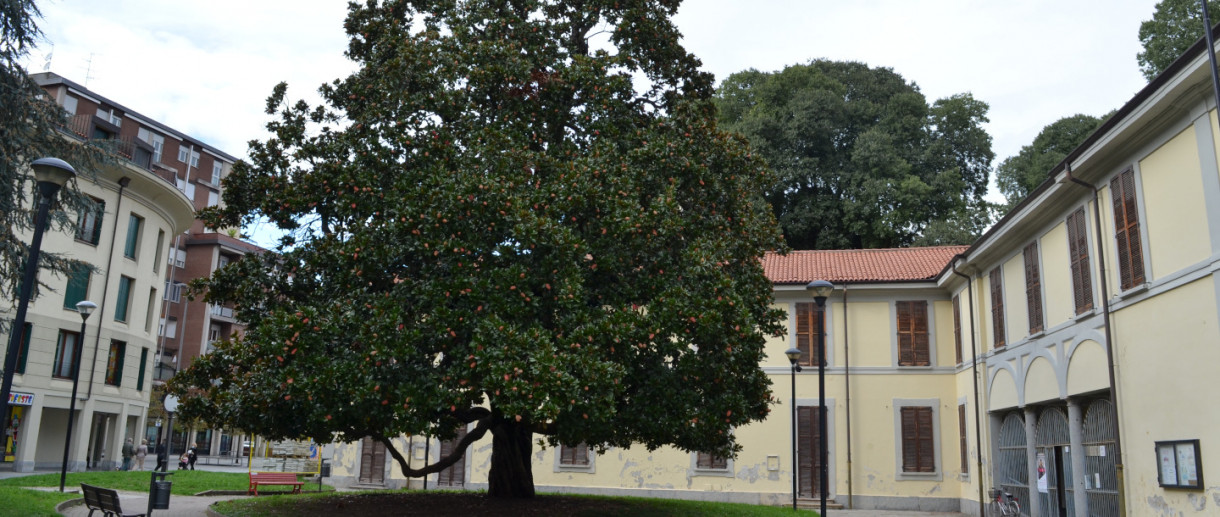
104	499
274	478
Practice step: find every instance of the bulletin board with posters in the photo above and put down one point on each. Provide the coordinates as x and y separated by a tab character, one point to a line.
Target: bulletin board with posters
1179	464
296	456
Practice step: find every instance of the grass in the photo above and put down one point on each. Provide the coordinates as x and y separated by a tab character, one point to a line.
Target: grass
30	503
20	502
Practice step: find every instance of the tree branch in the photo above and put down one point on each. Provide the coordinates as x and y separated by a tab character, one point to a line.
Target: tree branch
458	451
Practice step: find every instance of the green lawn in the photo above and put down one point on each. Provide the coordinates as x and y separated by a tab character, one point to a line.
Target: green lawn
185	482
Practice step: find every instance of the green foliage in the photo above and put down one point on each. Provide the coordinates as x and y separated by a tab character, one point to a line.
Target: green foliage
1174	27
863	160
492	223
1021	174
29	129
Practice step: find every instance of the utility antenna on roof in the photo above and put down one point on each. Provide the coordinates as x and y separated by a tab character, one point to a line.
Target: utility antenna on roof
46	65
88	69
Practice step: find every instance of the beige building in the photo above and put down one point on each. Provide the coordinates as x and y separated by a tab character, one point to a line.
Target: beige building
1068	356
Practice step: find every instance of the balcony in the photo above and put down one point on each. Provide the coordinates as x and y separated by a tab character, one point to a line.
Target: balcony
103	134
223	313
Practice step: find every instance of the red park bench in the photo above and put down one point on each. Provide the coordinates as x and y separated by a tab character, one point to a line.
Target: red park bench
273	478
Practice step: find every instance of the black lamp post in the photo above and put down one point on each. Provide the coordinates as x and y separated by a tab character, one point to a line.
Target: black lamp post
51	174
794	357
171	405
85	308
821	290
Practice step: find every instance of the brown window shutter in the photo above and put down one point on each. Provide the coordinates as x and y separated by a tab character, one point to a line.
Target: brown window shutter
961	432
921	353
809	327
1078	249
997	306
918	447
957	327
1033	288
1126	229
906	344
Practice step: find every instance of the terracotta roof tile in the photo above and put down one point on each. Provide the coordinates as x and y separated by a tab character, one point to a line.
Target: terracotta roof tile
857	266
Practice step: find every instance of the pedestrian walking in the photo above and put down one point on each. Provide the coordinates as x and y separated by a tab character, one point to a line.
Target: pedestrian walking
141	452
162	456
129	450
192	455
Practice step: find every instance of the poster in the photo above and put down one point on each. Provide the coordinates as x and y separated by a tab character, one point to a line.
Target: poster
1042	472
11	432
1186	465
1169	471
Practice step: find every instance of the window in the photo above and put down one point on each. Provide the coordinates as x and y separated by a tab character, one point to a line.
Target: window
957	326
89	224
157	141
24	351
709	461
173	291
123	303
810	321
160	248
1127	229
110	116
177	257
152	306
577	456
913	349
1078	249
182	153
223	261
217	165
132	245
65	355
918	444
114	364
997	306
169	328
1033	288
143	367
961	436
213	198
78	286
70	105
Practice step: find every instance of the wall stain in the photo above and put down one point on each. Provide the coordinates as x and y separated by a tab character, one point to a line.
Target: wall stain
1197	501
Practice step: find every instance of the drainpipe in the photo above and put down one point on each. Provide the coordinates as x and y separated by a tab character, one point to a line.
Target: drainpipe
173	268
974	371
101	307
427	455
1211	54
847	389
1105	313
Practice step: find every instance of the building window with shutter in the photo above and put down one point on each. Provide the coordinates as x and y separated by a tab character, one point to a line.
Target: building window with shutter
1127	230
132	245
709	461
78	286
913	342
917	448
89	224
997	306
123	300
575	458
1033	288
65	355
1078	251
810	324
114	363
957	327
24	352
964	445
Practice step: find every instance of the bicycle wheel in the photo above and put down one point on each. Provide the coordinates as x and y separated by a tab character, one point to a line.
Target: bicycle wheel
1011	508
993	509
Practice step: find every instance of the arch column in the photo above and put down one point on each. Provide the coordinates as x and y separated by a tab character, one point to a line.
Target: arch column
1031	460
1076	439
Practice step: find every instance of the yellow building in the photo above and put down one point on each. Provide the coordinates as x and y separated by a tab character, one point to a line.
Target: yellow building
1068	355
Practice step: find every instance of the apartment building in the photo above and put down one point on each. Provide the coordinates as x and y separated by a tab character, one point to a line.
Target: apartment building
147	245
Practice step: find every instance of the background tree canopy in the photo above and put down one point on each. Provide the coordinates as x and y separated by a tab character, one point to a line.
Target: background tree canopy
863	160
1174	27
493	225
28	131
1019	175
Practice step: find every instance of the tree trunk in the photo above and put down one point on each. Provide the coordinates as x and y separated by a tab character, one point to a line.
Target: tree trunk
511	472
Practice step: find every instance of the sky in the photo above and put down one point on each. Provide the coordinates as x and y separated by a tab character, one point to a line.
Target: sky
206	68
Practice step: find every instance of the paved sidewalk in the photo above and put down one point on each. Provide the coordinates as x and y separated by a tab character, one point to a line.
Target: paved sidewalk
179	505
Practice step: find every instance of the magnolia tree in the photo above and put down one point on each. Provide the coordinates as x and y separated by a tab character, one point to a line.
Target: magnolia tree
518	218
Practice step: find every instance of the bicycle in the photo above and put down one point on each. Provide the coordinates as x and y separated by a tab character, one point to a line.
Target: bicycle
1003	504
